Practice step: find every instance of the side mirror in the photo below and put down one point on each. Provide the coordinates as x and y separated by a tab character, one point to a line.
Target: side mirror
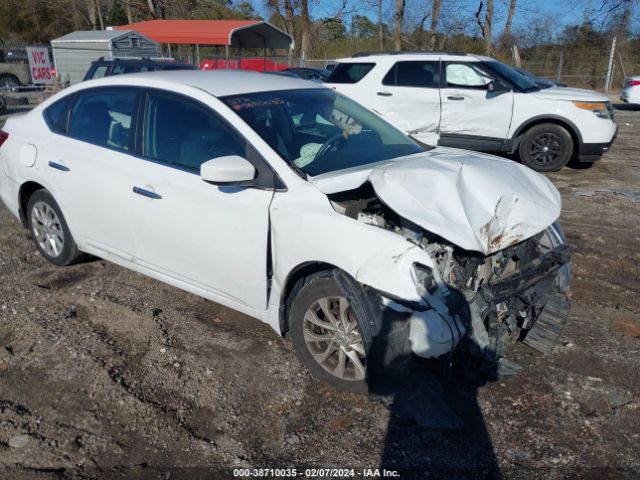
496	86
228	170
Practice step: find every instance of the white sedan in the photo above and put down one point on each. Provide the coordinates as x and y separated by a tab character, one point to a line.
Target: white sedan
293	204
631	91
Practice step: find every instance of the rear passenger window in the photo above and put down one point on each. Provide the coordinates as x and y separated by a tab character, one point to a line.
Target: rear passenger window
349	72
412	74
183	133
120	69
103	117
100	71
56	115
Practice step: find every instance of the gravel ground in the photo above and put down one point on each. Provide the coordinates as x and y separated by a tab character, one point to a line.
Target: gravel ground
107	374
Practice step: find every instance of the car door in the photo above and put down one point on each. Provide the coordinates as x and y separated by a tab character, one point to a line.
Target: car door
469	109
409	96
90	166
213	238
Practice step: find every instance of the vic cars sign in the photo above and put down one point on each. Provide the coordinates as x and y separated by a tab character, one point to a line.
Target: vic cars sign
40	65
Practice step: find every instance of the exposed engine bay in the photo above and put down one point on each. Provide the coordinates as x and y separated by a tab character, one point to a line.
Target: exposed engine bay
475	303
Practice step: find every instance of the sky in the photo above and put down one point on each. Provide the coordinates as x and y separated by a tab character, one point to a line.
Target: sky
559	13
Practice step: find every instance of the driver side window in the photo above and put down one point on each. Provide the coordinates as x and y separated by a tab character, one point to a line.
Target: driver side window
183	133
466	75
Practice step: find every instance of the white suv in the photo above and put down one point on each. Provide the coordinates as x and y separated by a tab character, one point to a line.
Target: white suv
478	103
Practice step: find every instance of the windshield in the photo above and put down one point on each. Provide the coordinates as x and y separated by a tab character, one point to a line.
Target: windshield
512	75
319	130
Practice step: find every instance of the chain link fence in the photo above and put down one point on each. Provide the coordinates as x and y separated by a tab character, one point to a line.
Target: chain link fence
584	67
19	91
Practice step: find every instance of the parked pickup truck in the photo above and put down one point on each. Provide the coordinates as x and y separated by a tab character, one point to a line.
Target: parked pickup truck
13	75
479	103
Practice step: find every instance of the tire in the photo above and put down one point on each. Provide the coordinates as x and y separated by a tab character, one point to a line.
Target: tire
9	82
546	147
339	336
49	229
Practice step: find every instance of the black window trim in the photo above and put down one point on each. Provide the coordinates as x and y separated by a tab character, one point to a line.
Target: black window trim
436	74
372	64
266	178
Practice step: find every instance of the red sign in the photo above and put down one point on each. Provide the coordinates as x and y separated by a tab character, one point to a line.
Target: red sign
40	65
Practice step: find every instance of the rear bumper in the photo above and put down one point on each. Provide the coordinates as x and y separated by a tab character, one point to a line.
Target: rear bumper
591	152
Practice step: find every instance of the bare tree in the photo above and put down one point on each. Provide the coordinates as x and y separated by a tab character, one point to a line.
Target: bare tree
506	39
485	27
436	7
399	16
380	29
306	27
91	10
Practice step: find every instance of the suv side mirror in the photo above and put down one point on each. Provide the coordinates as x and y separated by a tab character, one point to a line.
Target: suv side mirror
228	170
496	86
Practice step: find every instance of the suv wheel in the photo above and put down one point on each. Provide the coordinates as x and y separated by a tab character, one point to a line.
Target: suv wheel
546	148
326	334
49	229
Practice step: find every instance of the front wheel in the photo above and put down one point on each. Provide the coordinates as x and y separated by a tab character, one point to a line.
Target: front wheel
49	229
327	335
546	148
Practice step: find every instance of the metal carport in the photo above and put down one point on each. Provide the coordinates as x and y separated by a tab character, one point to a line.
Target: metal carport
228	33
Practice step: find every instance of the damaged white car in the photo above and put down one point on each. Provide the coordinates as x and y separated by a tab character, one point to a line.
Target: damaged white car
293	204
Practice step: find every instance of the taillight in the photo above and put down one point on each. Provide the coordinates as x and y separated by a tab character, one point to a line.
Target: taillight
3	137
634	83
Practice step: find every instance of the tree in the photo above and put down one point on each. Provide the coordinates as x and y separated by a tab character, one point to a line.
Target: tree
398	18
435	16
332	29
380	28
485	27
116	14
506	40
362	27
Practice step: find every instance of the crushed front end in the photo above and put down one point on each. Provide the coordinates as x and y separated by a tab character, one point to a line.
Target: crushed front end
515	294
472	304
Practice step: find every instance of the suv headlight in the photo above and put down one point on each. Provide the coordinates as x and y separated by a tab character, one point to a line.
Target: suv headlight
599	109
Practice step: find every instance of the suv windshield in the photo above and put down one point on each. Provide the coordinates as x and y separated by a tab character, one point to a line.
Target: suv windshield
512	75
319	131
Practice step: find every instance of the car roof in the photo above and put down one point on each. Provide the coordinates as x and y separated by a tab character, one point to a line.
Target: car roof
364	57
216	82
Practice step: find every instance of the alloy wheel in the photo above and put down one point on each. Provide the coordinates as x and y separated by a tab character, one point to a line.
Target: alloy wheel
545	148
332	335
47	229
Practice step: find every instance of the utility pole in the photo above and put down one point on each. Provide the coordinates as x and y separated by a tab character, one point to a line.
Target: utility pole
607	82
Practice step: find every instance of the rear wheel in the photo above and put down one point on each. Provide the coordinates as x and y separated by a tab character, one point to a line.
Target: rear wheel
327	335
9	82
546	148
49	229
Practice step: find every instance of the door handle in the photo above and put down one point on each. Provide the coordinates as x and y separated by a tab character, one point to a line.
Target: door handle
147	193
455	97
59	166
385	94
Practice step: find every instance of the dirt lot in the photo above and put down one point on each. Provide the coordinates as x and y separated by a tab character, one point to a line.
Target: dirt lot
107	374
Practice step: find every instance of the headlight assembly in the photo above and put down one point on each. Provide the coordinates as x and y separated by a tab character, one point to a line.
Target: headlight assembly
599	109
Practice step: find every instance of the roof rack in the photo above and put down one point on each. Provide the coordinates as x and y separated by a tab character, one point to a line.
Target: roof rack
368	54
